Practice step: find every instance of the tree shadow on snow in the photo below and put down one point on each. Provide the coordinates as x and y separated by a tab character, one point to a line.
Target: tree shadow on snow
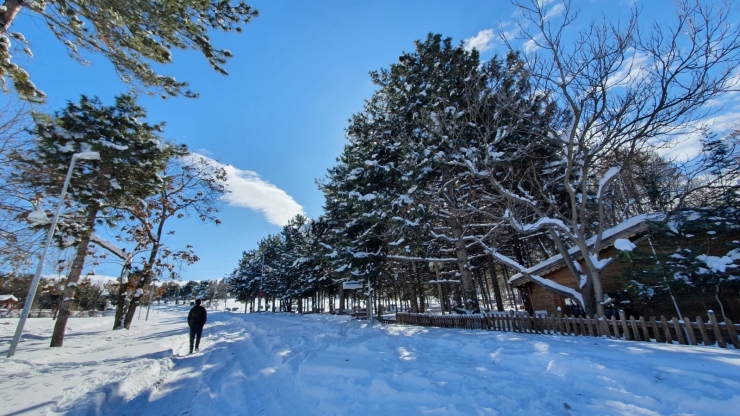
199	377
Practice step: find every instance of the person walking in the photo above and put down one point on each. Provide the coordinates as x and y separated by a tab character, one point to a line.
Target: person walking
196	320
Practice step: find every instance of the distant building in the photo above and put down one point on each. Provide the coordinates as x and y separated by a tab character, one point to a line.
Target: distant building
8	302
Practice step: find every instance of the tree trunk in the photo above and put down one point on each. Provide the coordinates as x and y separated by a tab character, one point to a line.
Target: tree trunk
414	299
135	300
587	292
419	287
590	299
721	306
341	300
494	282
12	7
68	295
483	291
122	305
470	296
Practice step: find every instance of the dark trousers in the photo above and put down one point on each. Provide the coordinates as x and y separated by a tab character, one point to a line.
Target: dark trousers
195	332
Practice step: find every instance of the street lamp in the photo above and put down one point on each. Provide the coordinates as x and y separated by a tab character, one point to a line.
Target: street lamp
39	269
152	288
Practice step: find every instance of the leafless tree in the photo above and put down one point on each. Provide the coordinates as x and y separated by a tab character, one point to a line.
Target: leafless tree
193	186
18	238
627	89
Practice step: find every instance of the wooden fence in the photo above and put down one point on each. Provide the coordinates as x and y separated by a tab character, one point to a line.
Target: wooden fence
48	313
671	331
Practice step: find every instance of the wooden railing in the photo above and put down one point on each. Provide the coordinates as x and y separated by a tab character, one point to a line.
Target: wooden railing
671	331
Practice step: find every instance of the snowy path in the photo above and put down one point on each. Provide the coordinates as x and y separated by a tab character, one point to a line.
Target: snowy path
280	364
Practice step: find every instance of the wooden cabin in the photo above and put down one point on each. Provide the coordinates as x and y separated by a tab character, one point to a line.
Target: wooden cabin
542	299
8	302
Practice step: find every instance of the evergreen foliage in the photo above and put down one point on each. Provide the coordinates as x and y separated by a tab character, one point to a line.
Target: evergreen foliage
131	157
285	267
697	252
133	35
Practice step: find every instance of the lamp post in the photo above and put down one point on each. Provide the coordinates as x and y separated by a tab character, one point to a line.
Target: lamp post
151	297
39	269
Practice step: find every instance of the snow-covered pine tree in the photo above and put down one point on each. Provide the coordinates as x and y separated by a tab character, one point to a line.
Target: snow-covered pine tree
131	157
131	34
243	282
357	204
370	191
437	115
300	270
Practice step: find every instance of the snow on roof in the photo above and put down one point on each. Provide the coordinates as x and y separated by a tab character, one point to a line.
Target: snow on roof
4	298
630	226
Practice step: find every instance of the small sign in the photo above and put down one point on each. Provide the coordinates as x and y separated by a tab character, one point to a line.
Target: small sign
351	285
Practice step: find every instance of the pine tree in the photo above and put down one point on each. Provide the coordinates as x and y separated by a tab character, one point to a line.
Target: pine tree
131	157
409	173
131	34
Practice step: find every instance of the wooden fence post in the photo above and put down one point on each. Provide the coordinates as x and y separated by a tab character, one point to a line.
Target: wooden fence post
679	333
567	324
690	331
645	331
623	321
703	331
635	331
666	329
733	333
715	328
656	331
560	322
616	328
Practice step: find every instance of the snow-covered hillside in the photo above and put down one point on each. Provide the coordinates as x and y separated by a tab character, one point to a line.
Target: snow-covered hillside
282	364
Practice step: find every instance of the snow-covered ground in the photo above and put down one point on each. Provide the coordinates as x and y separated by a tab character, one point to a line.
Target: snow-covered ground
283	364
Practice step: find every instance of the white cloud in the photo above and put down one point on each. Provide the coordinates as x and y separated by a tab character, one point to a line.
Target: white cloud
554	11
688	145
249	190
532	45
483	41
203	152
633	70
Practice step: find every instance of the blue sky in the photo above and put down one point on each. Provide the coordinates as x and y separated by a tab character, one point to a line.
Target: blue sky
299	71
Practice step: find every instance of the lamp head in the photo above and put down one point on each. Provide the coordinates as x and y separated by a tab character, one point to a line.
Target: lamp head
38	216
87	155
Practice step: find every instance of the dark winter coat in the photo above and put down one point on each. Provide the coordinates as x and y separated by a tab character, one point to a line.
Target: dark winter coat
197	316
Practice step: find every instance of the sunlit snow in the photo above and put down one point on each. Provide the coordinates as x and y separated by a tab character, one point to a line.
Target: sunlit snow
288	364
